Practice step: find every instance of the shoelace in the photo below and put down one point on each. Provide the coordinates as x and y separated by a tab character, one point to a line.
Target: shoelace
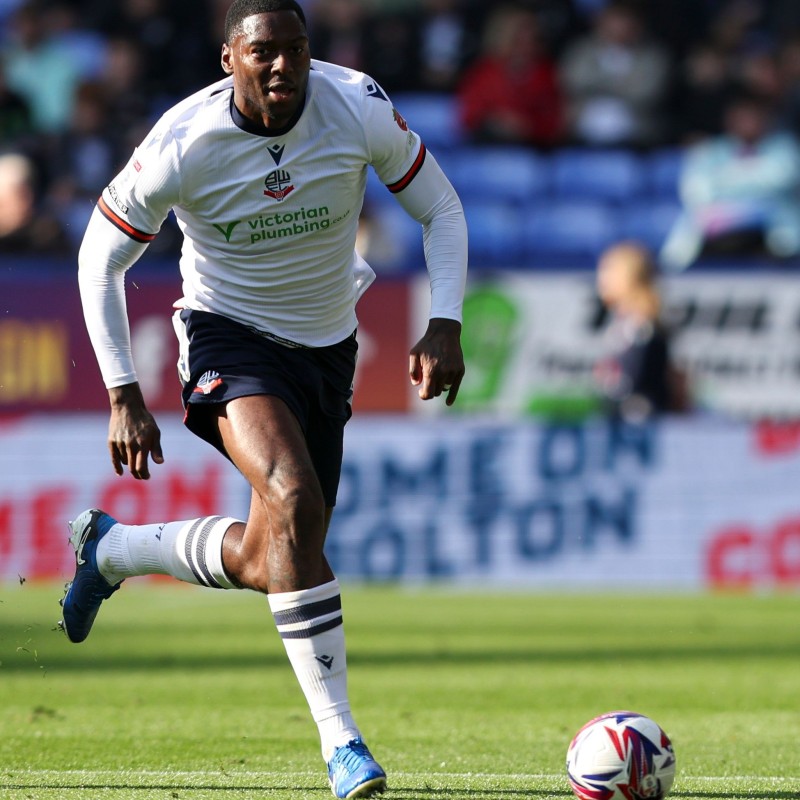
351	755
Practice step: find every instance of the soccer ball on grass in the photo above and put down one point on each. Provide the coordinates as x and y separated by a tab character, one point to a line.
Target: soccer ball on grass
621	756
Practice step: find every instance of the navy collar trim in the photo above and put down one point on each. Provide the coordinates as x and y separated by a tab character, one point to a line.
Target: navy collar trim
249	126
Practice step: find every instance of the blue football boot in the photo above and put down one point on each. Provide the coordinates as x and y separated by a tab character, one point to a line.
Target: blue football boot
88	588
353	772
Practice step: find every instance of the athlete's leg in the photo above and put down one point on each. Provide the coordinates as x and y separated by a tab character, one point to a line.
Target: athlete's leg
280	548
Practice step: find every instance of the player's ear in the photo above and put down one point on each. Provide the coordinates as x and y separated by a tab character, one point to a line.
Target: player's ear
227	59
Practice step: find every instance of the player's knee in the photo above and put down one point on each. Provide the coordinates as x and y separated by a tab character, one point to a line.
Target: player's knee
300	508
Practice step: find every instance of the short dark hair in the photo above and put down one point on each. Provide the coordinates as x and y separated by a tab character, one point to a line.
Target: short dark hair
241	9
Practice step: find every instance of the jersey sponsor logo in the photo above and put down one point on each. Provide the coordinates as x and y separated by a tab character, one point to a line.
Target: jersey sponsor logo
208	381
228	229
276	151
292	223
282	224
398	118
373	90
278	185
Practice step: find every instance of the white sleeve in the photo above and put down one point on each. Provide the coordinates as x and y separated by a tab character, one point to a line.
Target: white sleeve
411	173
431	199
105	255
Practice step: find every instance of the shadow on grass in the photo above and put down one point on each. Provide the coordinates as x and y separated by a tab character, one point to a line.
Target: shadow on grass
58	653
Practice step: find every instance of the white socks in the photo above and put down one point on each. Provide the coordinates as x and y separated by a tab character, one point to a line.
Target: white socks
310	624
309	621
190	550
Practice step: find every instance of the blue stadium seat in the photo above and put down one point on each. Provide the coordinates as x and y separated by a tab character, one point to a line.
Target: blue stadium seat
649	221
433	116
579	228
394	238
612	175
495	232
503	173
663	169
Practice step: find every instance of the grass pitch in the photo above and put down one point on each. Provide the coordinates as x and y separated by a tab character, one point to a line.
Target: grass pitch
186	693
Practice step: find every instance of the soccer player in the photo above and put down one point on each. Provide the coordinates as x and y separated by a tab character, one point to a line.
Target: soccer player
265	171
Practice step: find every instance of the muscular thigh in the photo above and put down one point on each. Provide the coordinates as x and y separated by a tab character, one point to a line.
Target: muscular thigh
266	397
264	440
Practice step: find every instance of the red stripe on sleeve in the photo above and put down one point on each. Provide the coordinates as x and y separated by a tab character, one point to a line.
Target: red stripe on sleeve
127	229
398	186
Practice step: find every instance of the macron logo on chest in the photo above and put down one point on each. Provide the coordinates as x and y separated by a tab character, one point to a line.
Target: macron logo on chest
276	151
278	183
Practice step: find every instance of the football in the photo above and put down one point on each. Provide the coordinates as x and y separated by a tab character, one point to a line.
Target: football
621	756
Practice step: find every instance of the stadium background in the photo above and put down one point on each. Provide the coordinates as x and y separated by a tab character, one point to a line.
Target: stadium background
525	484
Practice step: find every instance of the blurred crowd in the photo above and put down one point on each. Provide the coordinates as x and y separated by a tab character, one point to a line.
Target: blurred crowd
81	81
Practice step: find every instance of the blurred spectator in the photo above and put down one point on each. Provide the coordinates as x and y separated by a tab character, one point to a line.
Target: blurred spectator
560	21
175	38
81	159
25	229
733	26
510	93
704	88
680	25
638	379
128	115
616	81
789	61
758	70
40	69
448	40
85	48
740	191
390	50
339	32
15	116
420	49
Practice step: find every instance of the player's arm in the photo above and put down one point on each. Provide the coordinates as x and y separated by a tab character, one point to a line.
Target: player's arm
108	250
436	362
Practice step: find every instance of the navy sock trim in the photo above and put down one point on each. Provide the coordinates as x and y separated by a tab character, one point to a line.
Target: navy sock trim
308	612
307	633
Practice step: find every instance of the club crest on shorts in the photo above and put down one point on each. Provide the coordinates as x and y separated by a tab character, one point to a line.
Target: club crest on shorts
208	382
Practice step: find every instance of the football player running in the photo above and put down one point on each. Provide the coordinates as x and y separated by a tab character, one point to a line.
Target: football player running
265	171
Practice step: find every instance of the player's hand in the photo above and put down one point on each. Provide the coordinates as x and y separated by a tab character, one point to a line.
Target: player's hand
436	362
133	435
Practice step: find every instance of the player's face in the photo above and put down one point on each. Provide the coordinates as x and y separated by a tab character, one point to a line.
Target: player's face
269	61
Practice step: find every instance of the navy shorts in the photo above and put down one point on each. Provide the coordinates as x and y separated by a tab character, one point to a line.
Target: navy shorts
222	359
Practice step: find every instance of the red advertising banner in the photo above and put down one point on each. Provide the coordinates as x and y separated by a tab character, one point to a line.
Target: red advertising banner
47	362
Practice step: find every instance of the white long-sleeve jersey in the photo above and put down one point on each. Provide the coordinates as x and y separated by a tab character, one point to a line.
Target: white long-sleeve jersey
269	221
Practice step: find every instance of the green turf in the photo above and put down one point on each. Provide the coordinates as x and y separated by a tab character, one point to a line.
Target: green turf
186	693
